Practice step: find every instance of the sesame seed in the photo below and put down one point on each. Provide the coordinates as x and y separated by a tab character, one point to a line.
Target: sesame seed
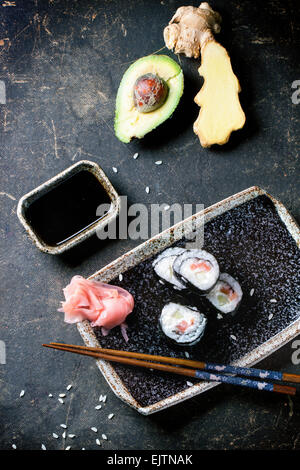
64	426
43	447
98	442
62	395
98	407
68	448
233	337
273	301
167	207
110	416
190	384
120	277
270	316
186	354
159	162
22	393
251	292
104	436
135	156
94	429
69	387
147	189
60	400
219	316
115	170
71	436
64	434
55	435
50	395
14	446
83	448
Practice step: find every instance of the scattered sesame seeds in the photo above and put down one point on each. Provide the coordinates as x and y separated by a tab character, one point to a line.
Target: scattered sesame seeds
64	426
14	446
69	387
273	301
104	436
94	429
98	407
114	169
147	189
22	393
251	292
62	395
219	316
233	337
60	400
135	156
159	162
190	384
98	442
71	436
102	398
110	416
43	447
120	277
167	207
55	435
270	316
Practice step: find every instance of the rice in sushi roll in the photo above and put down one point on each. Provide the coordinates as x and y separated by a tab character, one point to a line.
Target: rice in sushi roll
198	269
226	295
163	266
183	325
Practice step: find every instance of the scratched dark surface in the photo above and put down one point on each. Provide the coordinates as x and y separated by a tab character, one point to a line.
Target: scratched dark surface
61	63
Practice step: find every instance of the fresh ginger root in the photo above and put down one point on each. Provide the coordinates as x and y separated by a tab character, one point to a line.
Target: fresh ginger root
190	31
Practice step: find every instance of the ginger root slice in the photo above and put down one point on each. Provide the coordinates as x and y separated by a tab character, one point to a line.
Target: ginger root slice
190	32
221	112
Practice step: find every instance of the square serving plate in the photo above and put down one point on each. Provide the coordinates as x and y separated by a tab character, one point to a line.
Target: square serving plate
30	197
269	335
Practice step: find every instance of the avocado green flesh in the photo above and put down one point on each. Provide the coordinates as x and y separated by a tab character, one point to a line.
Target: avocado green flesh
129	122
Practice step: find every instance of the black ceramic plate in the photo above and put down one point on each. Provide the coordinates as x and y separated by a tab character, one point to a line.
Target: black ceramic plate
254	245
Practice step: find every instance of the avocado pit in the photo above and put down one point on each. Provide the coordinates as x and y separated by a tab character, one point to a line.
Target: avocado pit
149	93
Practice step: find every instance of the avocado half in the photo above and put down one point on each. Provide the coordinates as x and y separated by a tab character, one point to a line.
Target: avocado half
129	122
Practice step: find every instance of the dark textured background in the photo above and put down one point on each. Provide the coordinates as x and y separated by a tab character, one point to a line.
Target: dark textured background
62	63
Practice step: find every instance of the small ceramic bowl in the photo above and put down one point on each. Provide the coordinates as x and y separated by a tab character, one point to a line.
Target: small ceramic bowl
36	193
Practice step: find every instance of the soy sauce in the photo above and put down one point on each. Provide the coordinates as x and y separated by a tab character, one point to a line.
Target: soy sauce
67	209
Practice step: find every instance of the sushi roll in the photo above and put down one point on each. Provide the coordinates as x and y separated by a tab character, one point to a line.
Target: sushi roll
226	295
197	269
163	266
182	324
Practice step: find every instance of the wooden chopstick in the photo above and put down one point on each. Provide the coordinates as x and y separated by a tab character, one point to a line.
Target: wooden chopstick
208	366
196	373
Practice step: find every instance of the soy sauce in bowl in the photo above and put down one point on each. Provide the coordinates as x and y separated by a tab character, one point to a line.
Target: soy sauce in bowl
67	209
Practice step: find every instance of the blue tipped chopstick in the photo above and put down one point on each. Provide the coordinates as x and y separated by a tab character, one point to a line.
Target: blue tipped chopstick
199	370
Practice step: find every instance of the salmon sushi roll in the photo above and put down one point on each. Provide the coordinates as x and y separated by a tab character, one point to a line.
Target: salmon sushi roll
227	294
197	269
183	325
163	267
